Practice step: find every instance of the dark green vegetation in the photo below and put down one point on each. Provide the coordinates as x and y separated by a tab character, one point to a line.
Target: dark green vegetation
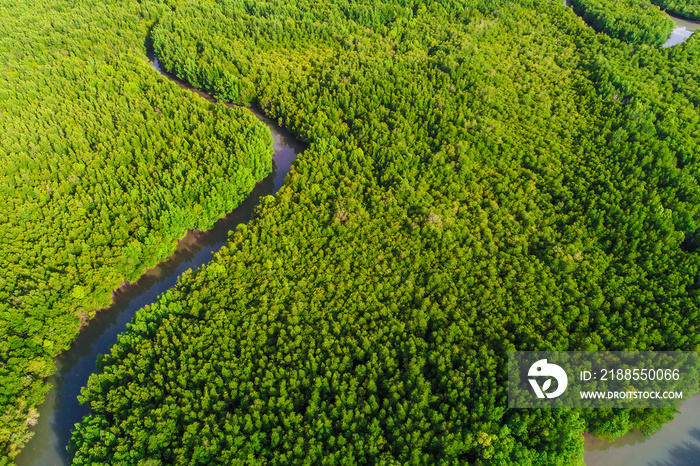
633	21
481	178
103	166
688	9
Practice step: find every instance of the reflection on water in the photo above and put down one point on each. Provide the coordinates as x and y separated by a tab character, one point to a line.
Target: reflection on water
675	444
61	410
682	32
684	29
678	36
678	442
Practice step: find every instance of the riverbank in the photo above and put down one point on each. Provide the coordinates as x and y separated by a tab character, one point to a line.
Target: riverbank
677	443
684	28
61	410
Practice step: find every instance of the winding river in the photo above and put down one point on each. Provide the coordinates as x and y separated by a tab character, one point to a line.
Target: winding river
61	410
677	443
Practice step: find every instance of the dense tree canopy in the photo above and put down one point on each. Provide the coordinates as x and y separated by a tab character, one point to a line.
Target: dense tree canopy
634	21
689	9
482	177
104	164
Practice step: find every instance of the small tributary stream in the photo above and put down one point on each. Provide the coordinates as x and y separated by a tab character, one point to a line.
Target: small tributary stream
61	410
677	443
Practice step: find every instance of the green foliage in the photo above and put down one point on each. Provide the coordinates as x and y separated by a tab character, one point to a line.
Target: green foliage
104	164
688	9
482	177
633	21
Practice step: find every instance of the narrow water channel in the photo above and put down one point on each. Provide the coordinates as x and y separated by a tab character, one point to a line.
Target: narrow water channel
678	442
682	32
61	410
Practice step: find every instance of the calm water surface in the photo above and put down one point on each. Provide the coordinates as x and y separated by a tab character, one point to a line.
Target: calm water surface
676	444
684	29
61	410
